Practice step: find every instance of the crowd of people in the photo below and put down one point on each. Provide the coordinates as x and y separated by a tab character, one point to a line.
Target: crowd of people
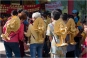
54	35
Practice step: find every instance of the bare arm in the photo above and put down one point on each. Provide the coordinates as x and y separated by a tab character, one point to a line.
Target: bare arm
48	33
84	51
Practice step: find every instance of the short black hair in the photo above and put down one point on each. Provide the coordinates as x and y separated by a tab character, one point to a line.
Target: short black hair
44	14
84	22
70	16
85	16
55	14
14	12
59	10
64	16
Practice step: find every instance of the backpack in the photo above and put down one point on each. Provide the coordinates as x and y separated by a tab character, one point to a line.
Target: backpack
40	28
12	25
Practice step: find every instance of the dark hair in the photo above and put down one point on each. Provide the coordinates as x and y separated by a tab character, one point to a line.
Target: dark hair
14	12
84	22
20	10
64	16
26	12
47	13
70	16
85	16
59	10
55	14
44	14
23	16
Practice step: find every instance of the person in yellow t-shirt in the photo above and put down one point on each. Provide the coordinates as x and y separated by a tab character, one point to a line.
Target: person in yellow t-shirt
70	47
46	47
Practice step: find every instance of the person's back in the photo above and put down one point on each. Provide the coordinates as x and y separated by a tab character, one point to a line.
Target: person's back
55	51
70	47
12	45
36	32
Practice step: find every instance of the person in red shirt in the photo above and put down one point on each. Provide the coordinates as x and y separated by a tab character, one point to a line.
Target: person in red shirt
13	13
84	44
14	45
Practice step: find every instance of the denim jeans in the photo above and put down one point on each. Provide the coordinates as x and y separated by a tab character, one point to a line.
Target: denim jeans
12	47
36	48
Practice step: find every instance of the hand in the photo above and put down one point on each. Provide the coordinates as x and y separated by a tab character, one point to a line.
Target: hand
50	38
25	33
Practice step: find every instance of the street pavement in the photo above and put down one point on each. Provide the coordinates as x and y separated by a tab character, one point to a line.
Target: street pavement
2	50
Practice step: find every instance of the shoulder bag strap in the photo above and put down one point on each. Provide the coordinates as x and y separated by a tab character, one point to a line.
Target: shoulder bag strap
52	32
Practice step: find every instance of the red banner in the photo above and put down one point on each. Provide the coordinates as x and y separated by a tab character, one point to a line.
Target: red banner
9	8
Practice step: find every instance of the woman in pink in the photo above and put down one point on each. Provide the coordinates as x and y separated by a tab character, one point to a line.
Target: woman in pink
84	45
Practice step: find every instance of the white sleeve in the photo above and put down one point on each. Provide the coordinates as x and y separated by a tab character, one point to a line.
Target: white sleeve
48	30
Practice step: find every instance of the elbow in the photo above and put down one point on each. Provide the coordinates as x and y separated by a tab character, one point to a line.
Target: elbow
26	34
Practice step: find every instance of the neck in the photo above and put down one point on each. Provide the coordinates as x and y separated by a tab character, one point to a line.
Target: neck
54	20
65	21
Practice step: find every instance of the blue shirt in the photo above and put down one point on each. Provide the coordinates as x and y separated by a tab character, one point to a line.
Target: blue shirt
25	22
76	20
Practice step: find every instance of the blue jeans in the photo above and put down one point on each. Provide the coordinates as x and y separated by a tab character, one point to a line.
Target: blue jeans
12	47
36	48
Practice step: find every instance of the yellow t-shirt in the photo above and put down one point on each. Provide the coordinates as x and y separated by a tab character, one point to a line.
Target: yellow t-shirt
79	23
83	35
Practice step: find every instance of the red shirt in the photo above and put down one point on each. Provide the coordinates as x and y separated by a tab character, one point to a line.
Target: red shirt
83	47
15	36
9	18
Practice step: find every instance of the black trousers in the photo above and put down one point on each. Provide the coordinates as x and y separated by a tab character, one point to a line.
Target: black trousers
70	54
21	43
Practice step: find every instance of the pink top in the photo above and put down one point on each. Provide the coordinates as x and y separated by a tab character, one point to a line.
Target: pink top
15	36
83	47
